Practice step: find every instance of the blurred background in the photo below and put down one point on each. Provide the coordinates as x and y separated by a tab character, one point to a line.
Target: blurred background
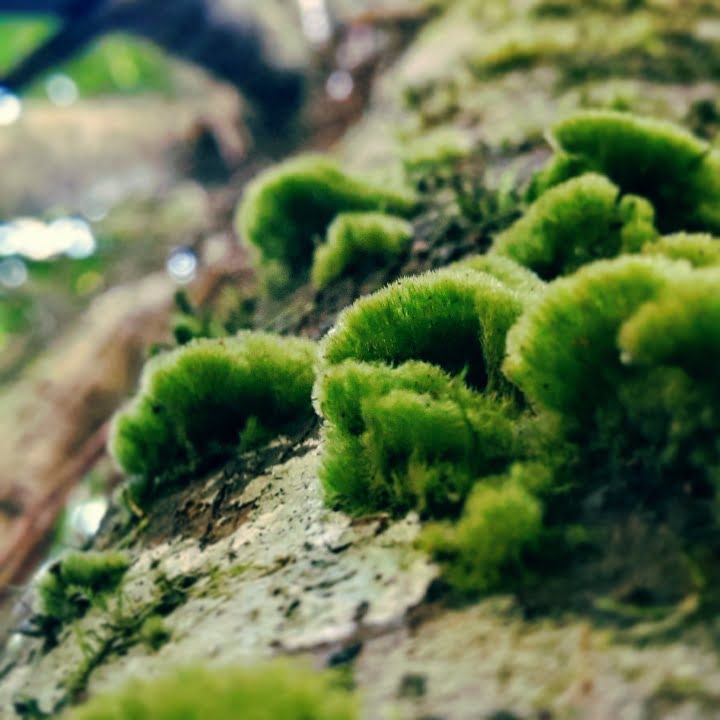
127	130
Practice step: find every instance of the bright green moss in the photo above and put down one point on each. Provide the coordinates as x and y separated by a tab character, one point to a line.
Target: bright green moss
575	223
657	160
699	249
483	551
563	352
199	402
457	320
286	210
411	391
354	236
507	271
408	437
680	329
277	691
78	580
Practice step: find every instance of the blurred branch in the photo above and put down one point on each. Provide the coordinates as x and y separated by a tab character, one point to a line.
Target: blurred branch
231	49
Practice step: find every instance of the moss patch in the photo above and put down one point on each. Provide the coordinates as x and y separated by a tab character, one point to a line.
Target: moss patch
356	237
200	402
279	690
287	209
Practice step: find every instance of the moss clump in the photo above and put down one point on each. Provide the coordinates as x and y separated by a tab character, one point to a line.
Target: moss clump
278	690
355	236
456	320
626	352
563	352
506	270
286	210
574	223
79	580
416	408
699	249
501	520
408	437
199	403
660	161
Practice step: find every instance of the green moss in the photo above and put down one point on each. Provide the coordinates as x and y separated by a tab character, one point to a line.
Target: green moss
78	580
154	633
415	406
680	329
657	160
408	437
563	352
575	223
626	352
483	551
197	402
506	270
699	249
354	236
457	320
280	691
436	151
286	210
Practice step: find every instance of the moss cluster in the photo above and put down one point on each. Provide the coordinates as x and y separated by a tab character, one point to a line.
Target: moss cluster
280	691
678	172
417	412
287	209
353	237
199	403
479	395
576	222
78	580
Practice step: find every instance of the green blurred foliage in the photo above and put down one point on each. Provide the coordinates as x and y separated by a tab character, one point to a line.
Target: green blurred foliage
115	64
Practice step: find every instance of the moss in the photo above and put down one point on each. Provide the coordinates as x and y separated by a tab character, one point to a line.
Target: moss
699	249
506	270
154	633
354	236
575	223
681	328
415	406
286	210
657	160
408	437
563	352
277	690
484	550
457	320
197	402
78	580
435	151
626	352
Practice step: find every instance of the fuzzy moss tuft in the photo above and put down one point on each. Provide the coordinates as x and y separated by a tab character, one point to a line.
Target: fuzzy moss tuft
574	223
456	319
504	269
199	403
278	690
681	328
699	249
408	437
353	236
563	352
286	210
78	580
483	551
415	405
657	160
